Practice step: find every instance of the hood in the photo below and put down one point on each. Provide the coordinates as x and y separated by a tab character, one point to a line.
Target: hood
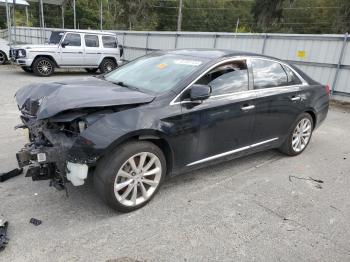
56	97
35	47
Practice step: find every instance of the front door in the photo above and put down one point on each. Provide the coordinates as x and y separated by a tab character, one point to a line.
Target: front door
227	117
72	52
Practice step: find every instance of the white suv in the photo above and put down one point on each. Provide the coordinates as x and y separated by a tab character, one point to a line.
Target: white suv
4	51
91	50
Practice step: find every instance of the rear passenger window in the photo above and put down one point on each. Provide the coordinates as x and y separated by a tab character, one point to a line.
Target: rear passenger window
268	74
292	77
228	78
73	40
91	41
109	41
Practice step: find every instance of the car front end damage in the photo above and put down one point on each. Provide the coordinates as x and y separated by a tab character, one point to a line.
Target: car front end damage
47	153
66	136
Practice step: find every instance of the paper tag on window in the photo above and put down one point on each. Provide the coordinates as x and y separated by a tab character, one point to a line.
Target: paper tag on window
187	62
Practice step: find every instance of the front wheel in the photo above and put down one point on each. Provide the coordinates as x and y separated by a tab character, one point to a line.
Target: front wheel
128	178
43	66
299	136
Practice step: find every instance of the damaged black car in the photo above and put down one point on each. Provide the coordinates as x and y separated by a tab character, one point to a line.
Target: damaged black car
165	113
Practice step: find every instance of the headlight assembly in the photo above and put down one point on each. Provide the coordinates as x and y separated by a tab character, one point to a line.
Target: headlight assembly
21	53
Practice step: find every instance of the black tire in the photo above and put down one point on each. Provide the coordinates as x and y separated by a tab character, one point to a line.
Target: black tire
43	66
107	65
91	70
105	175
27	69
3	58
287	146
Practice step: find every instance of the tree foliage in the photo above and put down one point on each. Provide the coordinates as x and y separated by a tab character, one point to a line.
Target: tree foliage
284	16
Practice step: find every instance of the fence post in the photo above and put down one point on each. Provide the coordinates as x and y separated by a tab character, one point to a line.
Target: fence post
340	60
147	36
176	36
264	44
215	38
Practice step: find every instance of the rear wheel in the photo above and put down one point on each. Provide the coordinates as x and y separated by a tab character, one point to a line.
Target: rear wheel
107	65
91	70
43	66
128	178
299	137
27	69
3	58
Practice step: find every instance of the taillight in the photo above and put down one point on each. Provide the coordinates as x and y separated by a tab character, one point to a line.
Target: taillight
328	89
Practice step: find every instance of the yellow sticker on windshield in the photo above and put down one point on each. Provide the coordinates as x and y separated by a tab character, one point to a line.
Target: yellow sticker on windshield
162	65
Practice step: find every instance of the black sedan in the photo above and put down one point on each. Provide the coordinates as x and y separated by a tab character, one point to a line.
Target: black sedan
164	114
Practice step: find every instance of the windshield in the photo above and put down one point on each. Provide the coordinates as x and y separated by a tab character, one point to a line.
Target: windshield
156	72
55	37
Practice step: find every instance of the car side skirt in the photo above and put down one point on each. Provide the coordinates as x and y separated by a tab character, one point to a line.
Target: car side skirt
232	152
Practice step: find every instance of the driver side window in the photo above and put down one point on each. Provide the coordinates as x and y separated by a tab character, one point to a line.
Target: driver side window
227	78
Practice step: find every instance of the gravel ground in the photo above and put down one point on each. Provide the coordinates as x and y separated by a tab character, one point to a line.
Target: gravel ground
248	209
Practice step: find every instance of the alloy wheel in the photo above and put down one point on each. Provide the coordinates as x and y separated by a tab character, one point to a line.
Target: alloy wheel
301	135
2	58
44	67
137	179
108	66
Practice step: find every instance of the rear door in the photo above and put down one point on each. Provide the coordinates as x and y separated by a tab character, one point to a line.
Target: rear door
227	117
72	54
279	99
110	46
92	50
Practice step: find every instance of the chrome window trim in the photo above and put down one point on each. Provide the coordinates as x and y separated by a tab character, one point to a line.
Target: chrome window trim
302	80
195	80
248	59
231	152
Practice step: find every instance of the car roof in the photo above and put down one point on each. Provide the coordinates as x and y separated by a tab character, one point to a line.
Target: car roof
85	31
215	53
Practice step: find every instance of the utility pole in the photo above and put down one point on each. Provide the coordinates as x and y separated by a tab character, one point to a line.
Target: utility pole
8	21
101	15
179	17
237	24
74	15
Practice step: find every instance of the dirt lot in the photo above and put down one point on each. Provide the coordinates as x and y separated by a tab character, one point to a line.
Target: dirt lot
248	209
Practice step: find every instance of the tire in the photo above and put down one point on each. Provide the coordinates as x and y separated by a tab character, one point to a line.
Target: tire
27	69
107	65
3	58
298	140
115	179
91	70
43	66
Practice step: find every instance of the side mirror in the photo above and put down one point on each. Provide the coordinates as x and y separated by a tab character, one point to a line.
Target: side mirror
200	92
64	44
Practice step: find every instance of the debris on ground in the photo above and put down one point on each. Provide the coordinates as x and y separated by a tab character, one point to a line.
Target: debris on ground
318	181
35	222
3	234
10	174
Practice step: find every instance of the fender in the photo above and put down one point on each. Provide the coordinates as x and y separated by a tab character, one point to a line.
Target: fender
111	130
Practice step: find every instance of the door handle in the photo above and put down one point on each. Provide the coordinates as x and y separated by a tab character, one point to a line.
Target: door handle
295	98
247	107
80	52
